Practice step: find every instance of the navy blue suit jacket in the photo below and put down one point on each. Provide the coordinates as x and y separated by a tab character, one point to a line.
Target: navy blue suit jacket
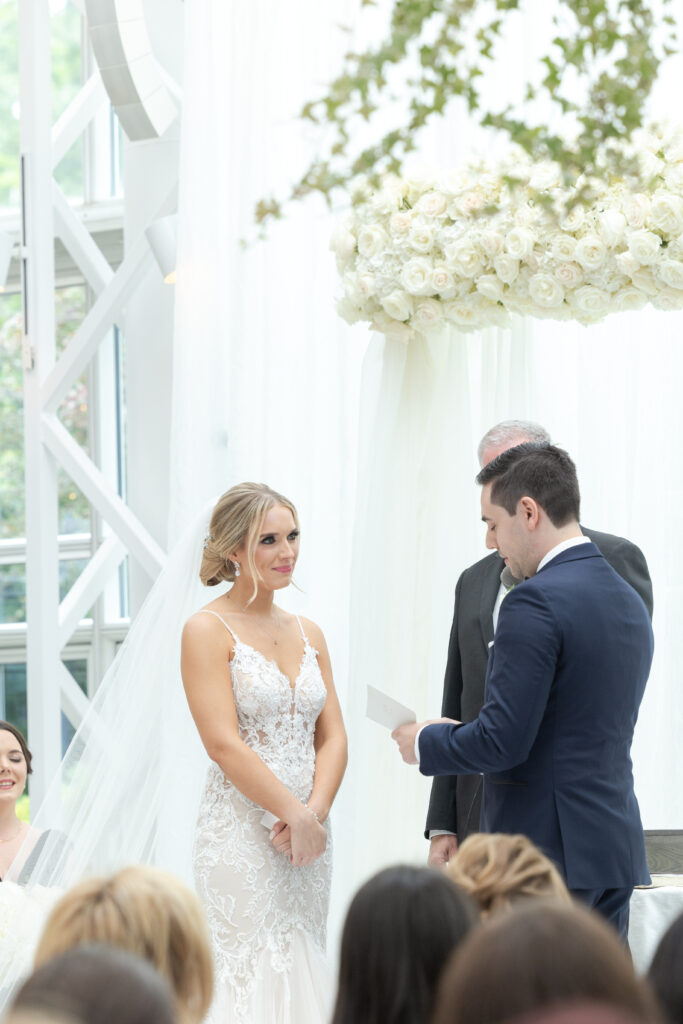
565	678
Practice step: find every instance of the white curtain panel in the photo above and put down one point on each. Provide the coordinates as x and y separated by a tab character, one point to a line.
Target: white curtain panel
268	386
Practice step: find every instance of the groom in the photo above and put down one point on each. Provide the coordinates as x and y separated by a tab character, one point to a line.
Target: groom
455	801
564	681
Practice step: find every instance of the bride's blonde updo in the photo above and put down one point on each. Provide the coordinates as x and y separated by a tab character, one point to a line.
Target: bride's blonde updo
236	521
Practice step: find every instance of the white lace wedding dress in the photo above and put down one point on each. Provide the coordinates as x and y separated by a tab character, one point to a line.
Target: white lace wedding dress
267	918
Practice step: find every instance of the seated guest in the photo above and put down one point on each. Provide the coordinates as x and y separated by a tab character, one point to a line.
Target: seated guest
21	844
95	985
666	972
538	957
148	912
400	929
499	870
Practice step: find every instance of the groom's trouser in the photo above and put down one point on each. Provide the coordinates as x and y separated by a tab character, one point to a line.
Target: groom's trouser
612	904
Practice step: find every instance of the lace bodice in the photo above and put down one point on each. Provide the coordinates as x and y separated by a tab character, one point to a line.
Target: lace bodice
276	719
259	906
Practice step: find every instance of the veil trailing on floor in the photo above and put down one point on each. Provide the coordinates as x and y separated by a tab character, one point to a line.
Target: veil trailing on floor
130	783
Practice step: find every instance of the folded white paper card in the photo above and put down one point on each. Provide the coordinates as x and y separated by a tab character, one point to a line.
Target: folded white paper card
268	819
387	711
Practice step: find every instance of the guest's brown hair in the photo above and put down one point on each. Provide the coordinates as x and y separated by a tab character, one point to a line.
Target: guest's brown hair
23	746
538	956
498	870
148	912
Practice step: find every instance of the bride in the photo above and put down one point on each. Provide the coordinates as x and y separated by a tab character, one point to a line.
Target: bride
130	787
259	686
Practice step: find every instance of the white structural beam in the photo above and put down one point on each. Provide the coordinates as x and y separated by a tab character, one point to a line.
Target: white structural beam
89	585
74	702
98	491
42	581
79	242
100	318
77	116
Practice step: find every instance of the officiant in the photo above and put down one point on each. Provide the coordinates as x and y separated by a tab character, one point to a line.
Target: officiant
565	677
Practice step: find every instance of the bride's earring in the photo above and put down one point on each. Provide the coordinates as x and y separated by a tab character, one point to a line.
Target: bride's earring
237	569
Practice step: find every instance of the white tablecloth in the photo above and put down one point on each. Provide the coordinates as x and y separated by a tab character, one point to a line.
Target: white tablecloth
652	911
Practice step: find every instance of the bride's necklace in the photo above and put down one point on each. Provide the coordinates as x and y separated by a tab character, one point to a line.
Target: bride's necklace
15	836
263	629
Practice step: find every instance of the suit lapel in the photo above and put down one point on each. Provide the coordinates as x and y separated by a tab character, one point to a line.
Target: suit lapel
489	591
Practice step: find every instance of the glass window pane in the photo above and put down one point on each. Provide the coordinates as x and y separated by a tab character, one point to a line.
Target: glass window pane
13	593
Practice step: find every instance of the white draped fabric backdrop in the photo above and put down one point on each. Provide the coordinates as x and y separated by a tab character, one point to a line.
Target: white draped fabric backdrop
375	442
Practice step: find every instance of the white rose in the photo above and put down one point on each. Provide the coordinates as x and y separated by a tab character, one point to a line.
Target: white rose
391	328
492	242
674	149
349	311
546	291
434	204
611	227
469	311
562	247
343	242
650	165
462	258
666	213
671	273
491	287
569	275
371	241
367	285
506	268
673	177
416	276
427	314
644	279
544	176
519	243
400	222
421	237
524	215
590	252
628	298
398	305
626	263
637	209
589	303
442	280
387	200
468	204
644	246
574	219
668	299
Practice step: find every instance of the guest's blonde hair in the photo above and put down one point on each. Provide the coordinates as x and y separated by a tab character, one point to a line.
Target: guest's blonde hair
145	911
498	870
236	521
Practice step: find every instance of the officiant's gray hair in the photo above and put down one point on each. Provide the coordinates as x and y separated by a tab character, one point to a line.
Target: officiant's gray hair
511	432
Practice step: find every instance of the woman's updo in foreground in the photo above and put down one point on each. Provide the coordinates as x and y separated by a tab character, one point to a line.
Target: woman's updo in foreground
235	522
500	870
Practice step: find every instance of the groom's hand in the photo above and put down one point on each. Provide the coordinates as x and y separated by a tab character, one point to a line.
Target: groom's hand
405	736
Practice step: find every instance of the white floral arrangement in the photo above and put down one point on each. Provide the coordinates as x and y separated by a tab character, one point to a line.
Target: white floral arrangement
423	251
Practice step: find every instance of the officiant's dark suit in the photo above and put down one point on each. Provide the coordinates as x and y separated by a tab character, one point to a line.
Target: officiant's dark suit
456	799
565	677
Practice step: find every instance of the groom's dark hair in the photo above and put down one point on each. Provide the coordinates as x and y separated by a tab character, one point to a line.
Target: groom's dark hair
539	471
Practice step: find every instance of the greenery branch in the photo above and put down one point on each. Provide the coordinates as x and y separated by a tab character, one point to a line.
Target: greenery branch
599	74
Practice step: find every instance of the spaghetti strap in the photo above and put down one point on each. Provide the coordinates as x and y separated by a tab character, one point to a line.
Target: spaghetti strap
302	629
207	611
